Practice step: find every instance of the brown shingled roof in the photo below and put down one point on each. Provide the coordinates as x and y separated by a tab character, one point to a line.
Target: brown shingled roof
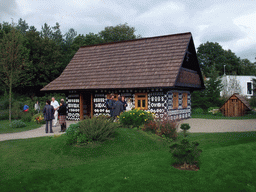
140	63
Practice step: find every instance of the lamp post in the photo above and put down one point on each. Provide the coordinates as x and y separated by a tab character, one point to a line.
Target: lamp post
224	69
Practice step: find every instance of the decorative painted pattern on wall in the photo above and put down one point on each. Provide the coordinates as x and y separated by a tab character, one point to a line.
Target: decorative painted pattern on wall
73	106
180	113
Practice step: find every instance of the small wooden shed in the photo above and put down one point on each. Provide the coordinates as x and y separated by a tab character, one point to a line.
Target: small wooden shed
235	106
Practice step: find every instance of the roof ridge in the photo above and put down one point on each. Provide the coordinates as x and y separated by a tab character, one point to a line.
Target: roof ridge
130	40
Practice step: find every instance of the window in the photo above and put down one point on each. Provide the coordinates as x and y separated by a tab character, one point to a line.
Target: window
115	96
184	100
141	101
175	100
249	88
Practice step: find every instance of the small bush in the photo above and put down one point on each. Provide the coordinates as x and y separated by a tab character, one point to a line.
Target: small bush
26	117
97	128
135	118
4	104
164	128
4	114
185	152
198	111
185	127
72	133
17	124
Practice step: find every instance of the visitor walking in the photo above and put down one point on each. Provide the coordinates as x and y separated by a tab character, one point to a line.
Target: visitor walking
110	104
48	112
37	107
55	105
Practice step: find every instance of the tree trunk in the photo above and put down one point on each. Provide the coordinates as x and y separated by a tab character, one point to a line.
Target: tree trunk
10	99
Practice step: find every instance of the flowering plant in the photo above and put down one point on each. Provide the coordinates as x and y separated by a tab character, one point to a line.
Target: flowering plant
38	118
135	117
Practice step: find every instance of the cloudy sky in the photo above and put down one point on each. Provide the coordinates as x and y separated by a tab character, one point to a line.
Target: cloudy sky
231	23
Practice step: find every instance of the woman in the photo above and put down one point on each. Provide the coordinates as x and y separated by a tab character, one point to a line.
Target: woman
48	112
62	116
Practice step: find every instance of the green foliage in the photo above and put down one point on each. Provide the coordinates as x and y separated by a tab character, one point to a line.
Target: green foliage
185	152
4	114
97	129
26	117
197	111
185	127
208	97
72	133
252	102
17	124
120	32
135	118
163	128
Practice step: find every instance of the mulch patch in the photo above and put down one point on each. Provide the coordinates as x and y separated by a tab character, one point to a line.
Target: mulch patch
188	167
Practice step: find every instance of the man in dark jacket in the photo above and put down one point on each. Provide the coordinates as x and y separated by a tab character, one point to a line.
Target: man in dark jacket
118	107
110	104
48	112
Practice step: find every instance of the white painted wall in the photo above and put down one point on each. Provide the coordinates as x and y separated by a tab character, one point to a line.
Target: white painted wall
240	87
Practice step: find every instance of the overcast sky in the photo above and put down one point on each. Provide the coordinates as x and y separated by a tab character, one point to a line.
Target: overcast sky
231	23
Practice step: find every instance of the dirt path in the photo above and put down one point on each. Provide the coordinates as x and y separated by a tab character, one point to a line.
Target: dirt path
220	125
40	132
197	125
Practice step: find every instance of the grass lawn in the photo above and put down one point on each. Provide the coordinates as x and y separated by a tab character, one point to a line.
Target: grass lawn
132	161
5	128
210	116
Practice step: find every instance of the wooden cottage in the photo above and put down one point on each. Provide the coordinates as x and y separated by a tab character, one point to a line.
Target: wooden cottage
235	106
156	74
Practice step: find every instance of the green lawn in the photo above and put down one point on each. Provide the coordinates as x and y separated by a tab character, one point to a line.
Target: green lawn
5	128
210	116
132	161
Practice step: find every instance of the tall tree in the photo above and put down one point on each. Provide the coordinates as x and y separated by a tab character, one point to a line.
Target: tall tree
22	26
120	32
13	58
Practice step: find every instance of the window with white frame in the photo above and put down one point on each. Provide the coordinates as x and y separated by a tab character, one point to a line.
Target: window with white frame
249	88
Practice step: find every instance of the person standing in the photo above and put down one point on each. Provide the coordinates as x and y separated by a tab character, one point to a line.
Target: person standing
37	107
55	105
124	102
62	116
110	104
118	107
48	112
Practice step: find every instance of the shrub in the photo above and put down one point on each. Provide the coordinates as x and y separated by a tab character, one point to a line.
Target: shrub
4	114
135	118
72	133
198	111
38	118
97	128
164	128
26	117
4	104
185	127
185	152
17	124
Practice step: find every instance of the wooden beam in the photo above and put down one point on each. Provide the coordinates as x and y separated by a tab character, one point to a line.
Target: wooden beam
91	105
81	107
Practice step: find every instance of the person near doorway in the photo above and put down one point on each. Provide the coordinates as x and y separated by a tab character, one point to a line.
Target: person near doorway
110	104
124	102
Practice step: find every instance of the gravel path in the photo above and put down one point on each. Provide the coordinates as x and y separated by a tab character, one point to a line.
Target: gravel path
40	132
219	125
197	125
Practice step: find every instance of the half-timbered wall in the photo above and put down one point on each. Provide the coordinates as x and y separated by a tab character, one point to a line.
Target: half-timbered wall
160	102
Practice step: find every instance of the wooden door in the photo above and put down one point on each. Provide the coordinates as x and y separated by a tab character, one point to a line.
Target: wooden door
86	105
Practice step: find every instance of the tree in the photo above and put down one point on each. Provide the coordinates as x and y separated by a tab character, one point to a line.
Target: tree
22	26
212	55
13	58
120	32
230	86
